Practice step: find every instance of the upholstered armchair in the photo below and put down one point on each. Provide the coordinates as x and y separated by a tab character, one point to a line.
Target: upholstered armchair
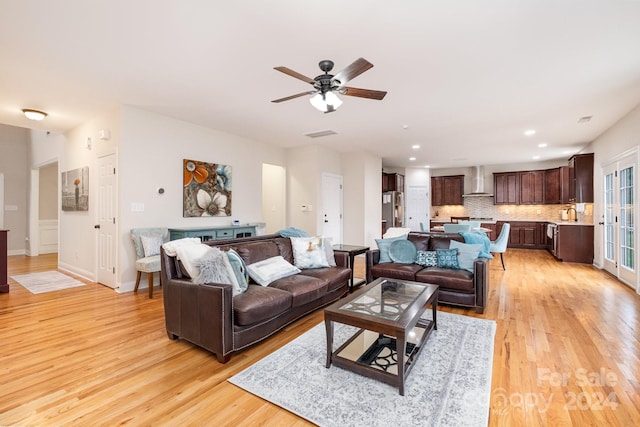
147	242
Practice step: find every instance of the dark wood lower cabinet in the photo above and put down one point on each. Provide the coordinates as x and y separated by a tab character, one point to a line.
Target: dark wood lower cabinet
526	234
575	243
4	279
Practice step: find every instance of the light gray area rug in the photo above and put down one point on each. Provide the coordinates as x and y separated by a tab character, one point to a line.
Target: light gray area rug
449	385
46	281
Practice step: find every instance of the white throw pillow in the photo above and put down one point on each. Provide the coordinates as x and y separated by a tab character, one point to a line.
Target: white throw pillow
271	269
171	246
328	250
308	252
188	254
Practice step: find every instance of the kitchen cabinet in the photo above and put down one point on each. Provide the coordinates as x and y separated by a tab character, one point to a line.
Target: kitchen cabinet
447	190
581	178
531	187
491	234
556	186
526	234
392	182
506	188
574	243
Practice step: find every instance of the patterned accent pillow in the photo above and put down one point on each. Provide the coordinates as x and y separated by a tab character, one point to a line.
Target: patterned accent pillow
271	269
427	258
447	258
151	244
239	269
308	252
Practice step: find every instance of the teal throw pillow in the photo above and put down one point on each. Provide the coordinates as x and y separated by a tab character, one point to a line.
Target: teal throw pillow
467	253
427	258
239	269
384	245
403	252
447	258
475	237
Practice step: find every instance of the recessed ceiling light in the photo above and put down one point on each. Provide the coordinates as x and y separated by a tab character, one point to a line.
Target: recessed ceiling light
542	144
427	166
536	157
566	152
412	159
415	146
529	132
34	114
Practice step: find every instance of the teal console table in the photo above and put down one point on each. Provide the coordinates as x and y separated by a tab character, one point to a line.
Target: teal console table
213	233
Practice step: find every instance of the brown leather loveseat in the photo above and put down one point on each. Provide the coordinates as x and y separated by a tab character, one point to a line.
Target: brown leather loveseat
209	316
457	286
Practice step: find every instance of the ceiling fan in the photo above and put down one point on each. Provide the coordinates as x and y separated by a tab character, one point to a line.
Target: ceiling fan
326	85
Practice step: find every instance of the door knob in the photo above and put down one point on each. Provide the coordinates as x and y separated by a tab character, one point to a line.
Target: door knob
96	226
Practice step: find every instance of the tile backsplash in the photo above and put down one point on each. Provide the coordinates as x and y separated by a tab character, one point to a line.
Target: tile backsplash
483	207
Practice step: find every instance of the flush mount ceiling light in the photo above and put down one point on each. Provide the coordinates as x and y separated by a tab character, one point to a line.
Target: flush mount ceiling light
34	114
529	132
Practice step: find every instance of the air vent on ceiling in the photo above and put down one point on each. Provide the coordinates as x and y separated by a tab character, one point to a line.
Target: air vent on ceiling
320	133
585	119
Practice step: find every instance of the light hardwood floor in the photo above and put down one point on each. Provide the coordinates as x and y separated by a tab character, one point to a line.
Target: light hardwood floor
566	353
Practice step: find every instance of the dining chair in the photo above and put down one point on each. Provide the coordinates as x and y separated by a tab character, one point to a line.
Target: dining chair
473	224
456	228
500	244
147	242
424	226
455	219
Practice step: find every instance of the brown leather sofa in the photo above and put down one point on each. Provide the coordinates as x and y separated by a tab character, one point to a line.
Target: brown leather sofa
210	317
457	286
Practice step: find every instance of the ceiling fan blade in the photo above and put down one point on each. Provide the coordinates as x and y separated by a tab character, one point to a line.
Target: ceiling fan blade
295	74
363	93
358	67
297	95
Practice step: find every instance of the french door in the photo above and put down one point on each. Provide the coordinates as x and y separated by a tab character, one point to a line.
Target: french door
620	237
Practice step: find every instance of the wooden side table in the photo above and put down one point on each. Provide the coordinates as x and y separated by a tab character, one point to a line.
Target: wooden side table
352	251
4	278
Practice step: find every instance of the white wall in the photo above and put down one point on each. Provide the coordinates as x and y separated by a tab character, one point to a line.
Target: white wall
274	200
362	198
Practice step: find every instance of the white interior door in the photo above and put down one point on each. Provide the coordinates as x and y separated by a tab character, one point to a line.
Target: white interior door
609	238
417	206
332	207
107	220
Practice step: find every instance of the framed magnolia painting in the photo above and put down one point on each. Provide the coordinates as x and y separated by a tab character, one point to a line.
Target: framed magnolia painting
206	189
75	189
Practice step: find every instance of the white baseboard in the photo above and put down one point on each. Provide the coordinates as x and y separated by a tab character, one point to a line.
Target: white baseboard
87	275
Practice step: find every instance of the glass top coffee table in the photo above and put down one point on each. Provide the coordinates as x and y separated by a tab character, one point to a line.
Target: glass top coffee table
391	334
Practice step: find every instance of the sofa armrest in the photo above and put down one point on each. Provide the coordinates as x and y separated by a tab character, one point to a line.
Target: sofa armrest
342	259
372	258
201	314
481	282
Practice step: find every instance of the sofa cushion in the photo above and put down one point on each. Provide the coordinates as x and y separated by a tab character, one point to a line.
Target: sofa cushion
285	249
302	288
260	303
395	270
441	241
259	251
336	276
420	240
266	271
458	280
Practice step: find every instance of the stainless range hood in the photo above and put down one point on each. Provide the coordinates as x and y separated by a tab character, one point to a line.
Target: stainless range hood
478	183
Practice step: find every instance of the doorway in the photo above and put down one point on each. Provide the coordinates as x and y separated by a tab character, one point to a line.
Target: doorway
332	207
417	207
620	210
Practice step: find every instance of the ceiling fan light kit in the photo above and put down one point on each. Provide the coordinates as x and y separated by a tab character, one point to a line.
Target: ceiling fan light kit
326	85
34	114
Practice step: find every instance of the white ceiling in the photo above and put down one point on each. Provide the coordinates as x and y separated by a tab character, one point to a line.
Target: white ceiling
465	77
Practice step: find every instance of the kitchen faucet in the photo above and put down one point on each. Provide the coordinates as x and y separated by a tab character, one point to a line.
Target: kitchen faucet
575	213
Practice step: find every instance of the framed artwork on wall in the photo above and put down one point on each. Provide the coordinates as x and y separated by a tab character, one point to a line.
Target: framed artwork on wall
206	189
75	189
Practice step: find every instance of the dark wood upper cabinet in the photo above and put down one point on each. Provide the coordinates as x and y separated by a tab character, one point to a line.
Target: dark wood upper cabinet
392	182
581	178
506	188
556	186
447	190
531	187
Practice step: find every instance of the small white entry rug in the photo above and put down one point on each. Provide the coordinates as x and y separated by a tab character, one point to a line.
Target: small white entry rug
46	281
449	384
